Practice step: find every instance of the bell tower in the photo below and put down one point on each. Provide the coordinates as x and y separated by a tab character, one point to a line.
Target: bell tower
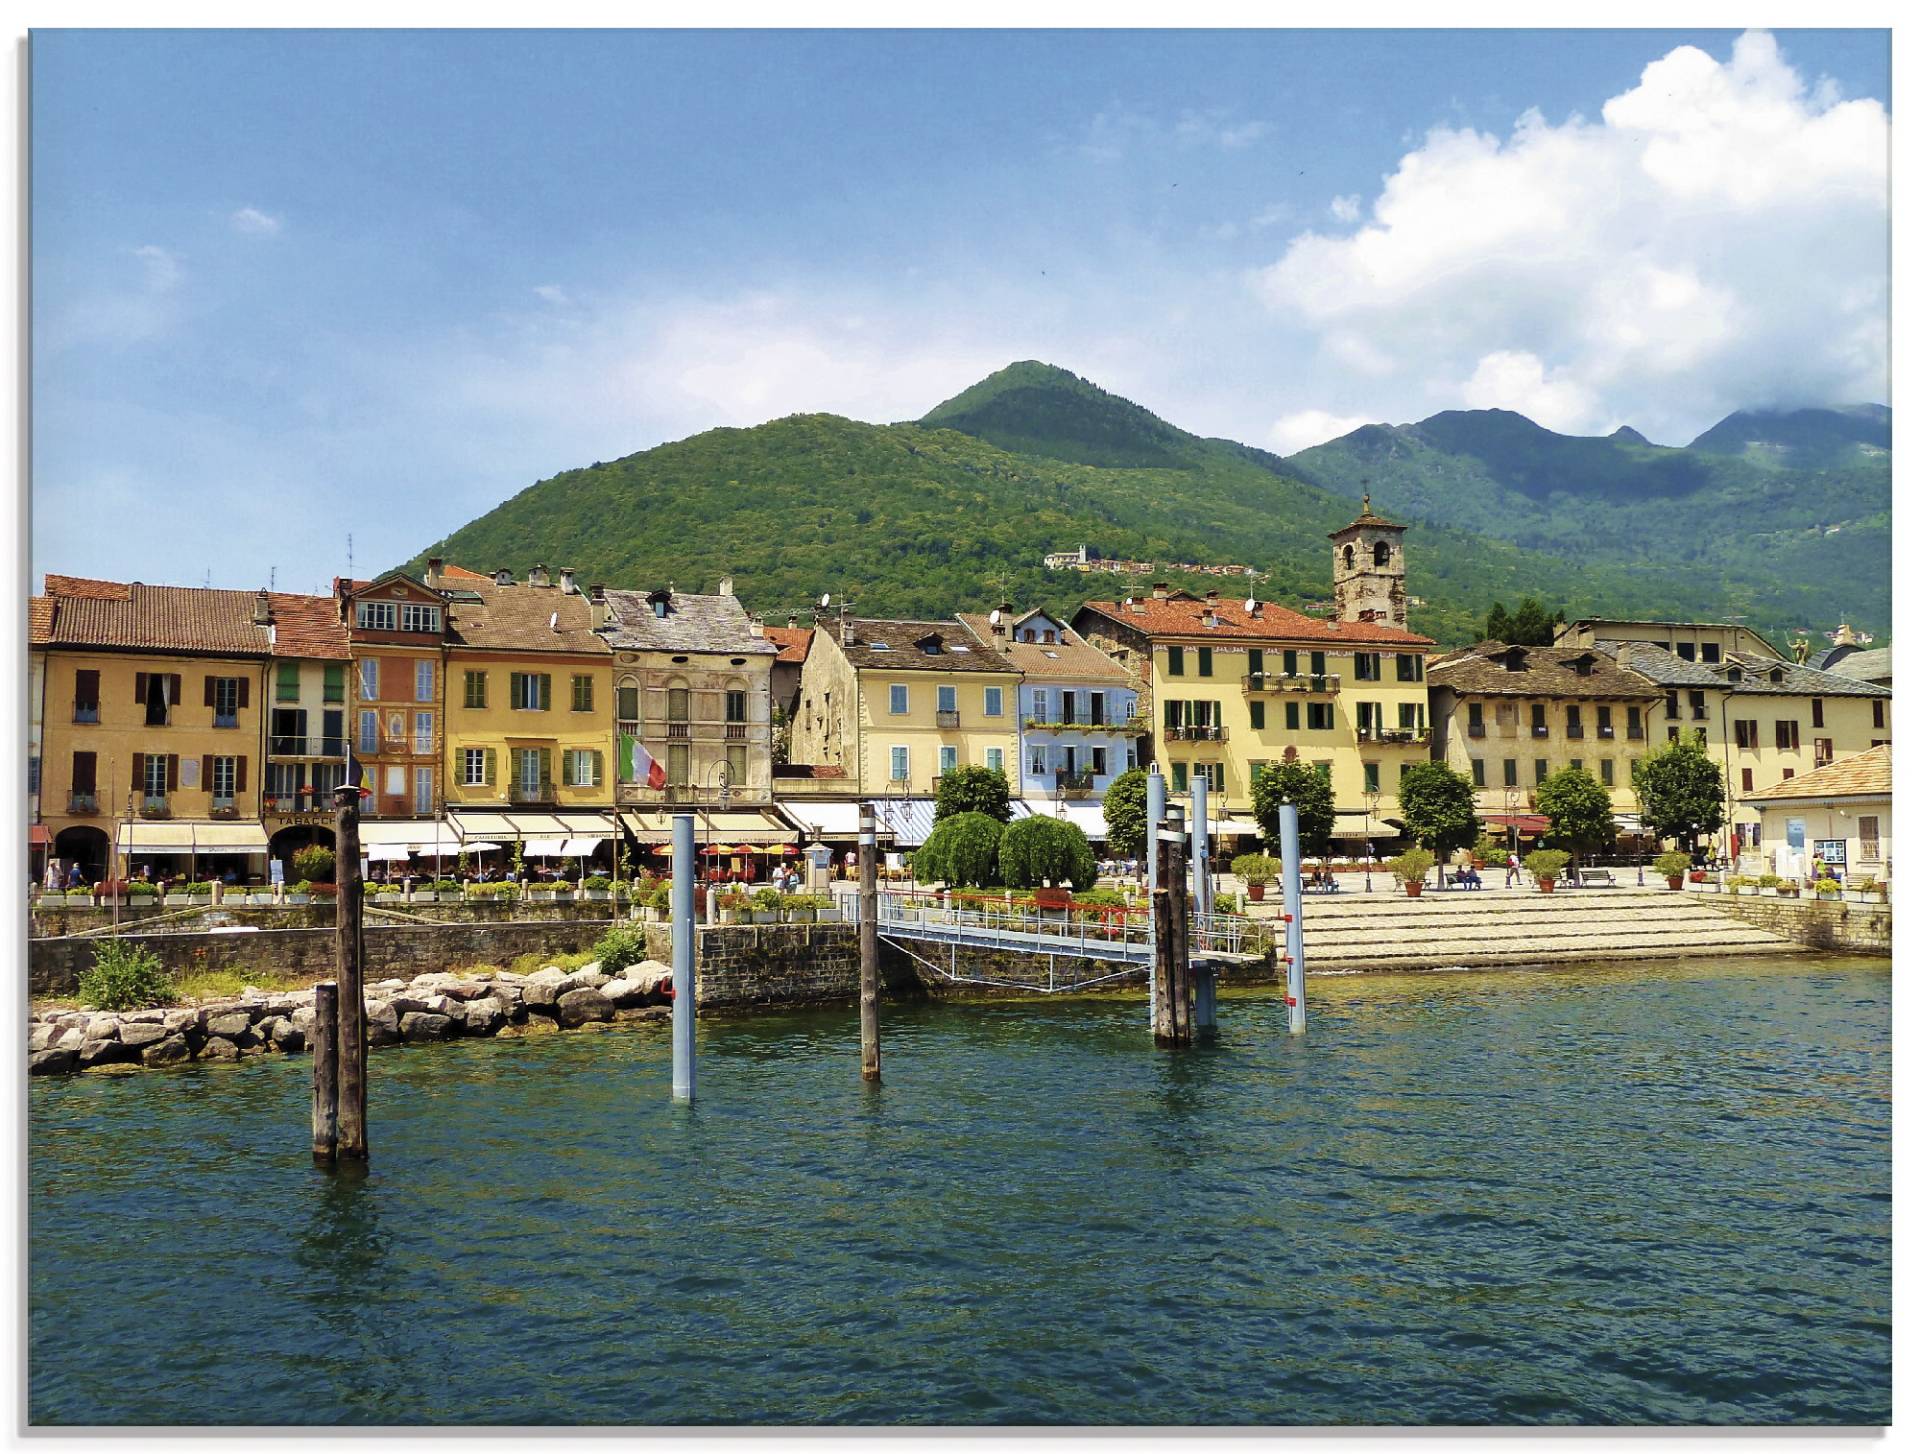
1370	570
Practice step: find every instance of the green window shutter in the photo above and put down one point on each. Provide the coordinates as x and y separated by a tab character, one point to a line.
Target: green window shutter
1293	716
488	772
1176	661
1179	777
1171	710
1256	661
334	688
599	768
1258	712
546	764
287	682
1290	662
1318	663
1206	661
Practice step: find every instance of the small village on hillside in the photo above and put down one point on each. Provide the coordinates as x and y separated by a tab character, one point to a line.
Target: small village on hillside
180	732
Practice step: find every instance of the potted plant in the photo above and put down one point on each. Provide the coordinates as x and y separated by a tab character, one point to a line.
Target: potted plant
734	906
177	894
1411	868
1546	866
300	893
542	891
1767	883
1787	888
1827	888
766	906
801	908
1861	888
448	891
1672	867
1742	885
140	894
1256	870
596	888
386	891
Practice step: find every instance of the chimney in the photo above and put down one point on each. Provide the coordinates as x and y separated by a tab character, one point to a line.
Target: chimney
1213	599
262	610
793	622
597	593
567	587
756	626
436	571
503	577
726	585
1159	590
538	576
846	626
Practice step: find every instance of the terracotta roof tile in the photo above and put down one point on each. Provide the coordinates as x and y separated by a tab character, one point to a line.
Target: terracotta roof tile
154	618
39	619
86	587
1864	774
308	626
1182	614
793	642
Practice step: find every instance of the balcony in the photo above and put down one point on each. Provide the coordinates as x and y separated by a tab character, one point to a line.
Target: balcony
1197	732
88	712
542	792
1476	729
1274	681
1604	730
156	805
1575	730
83	805
279	746
1539	729
1073	784
736	732
1395	736
678	731
946	719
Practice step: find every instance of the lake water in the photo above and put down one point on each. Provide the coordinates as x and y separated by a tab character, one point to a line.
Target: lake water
1653	1194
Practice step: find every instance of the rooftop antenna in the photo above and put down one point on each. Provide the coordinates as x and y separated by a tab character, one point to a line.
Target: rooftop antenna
273	575
349	555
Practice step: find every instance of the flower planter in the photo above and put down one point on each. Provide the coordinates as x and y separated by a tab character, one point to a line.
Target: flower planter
1697	876
828	916
1674	883
1413	889
200	901
766	916
177	900
1257	893
1787	893
259	900
1746	893
598	896
1546	885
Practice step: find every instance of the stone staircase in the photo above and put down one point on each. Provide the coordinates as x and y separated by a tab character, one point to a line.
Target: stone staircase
1522	927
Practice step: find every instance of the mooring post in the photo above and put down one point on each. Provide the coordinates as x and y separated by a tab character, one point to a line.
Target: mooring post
1290	893
1156	812
1173	1002
869	946
326	1071
351	1122
683	941
1202	880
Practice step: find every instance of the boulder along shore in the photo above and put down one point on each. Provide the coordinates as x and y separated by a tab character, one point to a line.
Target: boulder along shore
439	1006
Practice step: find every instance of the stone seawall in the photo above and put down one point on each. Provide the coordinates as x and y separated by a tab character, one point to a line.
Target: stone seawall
960	971
1816	923
51	922
54	966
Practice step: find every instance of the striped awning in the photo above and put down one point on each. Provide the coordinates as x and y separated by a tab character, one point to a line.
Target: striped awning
732	825
191	836
519	827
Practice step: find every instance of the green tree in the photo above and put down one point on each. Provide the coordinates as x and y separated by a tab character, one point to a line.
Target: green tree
1436	804
1499	623
1578	808
1125	809
1043	850
1311	795
1531	625
962	851
1681	792
972	789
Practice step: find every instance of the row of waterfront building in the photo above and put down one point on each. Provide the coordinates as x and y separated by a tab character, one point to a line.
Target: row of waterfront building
481	711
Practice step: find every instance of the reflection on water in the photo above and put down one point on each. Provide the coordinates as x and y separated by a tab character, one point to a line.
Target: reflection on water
1654	1193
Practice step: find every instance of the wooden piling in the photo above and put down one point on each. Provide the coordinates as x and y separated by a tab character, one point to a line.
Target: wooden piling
1173	976
869	947
326	1071
351	1121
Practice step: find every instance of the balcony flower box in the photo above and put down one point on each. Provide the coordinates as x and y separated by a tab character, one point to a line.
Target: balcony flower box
226	814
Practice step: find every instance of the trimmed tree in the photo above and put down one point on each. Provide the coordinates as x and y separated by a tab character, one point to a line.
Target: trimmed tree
1579	809
1436	804
1125	809
972	789
1311	795
1681	793
1041	850
1499	623
962	851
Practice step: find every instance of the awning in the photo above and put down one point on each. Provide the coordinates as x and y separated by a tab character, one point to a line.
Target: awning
38	836
545	848
387	853
1233	826
1524	822
1628	823
1089	817
516	827
402	831
173	836
825	820
736	825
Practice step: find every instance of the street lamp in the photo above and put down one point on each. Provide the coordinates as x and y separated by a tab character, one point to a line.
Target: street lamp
1372	797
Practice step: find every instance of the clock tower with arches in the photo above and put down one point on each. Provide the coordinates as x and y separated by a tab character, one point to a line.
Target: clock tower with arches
1370	570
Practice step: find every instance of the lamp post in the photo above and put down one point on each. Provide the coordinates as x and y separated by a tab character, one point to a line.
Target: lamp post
1372	796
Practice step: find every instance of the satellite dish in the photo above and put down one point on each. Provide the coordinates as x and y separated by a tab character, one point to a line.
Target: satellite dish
993	616
1251	603
824	596
553	622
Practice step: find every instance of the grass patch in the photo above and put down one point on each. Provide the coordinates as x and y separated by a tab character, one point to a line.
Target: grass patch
219	984
534	963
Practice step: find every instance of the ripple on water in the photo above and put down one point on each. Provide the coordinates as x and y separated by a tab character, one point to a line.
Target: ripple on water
1542	1196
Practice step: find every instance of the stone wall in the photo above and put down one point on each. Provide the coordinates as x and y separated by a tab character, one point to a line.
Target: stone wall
51	922
1816	923
54	966
769	964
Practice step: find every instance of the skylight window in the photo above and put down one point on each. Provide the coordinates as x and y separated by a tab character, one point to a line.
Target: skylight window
878	646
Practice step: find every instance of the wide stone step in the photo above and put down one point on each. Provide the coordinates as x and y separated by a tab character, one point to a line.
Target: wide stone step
1582	947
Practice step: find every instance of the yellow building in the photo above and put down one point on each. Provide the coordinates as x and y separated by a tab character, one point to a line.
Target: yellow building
1841	815
1509	715
894	705
151	731
308	710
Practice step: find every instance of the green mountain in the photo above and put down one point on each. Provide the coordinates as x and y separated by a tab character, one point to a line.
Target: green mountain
956	510
1789	514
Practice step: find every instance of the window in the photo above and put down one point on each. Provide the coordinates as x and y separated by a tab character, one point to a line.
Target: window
1290	663
415	617
1069	704
1710	651
1370	776
529	691
1293	716
1215	773
1577	763
1510	772
1176	661
1606	771
155	776
334	682
949	759
1603	721
897	764
583	693
677	752
223	778
374	615
1684	650
1099	755
581	767
1037	761
1319	716
423	732
1538	717
86	698
1408	667
286	681
158	692
1746	733
1366	666
223	695
529	771
991	702
85	784
1786	735
946	699
1413	716
1636	729
369	732
423	681
1746	779
369	678
897	700
33	774
1822	751
476	767
996	759
1257	713
1206	661
627	704
1869	837
474	689
1040	705
737	763
1479	772
423	791
1382	553
1539	770
1819	713
1575	727
677	700
396	781
1673	706
1256	662
1179	777
1476	720
1879	712
1698	702
1786	774
287	731
1317	663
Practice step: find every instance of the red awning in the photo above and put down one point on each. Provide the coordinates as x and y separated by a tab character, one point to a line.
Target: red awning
1525	822
38	836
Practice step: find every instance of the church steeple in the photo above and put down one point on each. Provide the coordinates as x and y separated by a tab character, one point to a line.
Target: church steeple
1370	569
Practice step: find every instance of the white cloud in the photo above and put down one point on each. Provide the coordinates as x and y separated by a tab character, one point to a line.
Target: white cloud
255	223
1717	239
162	268
1345	209
1117	131
1308	427
552	293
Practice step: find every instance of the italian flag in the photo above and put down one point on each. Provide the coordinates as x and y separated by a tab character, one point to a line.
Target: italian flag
639	764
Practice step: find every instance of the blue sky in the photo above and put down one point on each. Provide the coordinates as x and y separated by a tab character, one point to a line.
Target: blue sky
291	285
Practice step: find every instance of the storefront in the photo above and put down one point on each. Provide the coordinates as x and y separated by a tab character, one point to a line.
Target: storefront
196	851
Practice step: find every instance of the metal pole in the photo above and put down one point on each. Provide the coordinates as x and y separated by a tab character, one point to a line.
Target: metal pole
1156	814
869	947
1290	886
683	937
1202	880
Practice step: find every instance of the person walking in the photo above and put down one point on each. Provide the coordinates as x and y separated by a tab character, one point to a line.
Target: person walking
1513	868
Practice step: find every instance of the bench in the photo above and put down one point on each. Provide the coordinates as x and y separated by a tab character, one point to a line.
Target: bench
1588	878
